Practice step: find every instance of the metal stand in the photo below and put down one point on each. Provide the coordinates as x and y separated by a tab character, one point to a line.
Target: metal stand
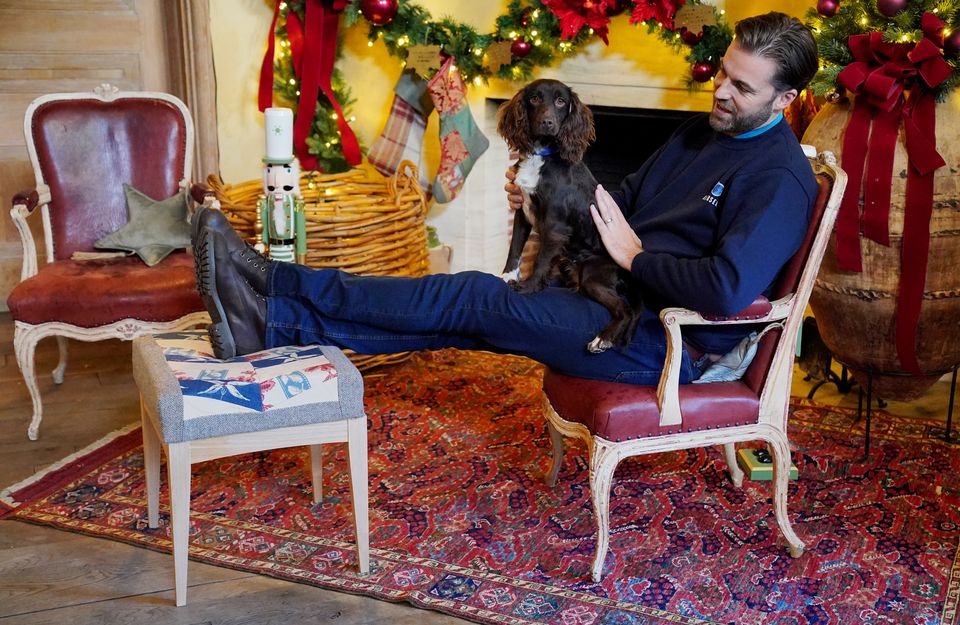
948	434
844	382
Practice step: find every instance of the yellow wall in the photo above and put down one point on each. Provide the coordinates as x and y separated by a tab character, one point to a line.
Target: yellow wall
239	29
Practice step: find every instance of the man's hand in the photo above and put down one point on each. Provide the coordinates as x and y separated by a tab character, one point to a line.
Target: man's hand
514	194
618	237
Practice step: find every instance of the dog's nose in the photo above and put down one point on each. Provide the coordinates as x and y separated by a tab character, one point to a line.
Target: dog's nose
548	124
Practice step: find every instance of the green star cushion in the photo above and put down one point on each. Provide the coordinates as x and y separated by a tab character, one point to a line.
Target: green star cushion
155	228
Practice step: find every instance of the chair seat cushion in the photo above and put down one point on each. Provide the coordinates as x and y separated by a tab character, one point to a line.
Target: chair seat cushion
98	292
620	412
195	396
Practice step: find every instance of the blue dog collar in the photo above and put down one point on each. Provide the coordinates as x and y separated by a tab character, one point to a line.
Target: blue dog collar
543	151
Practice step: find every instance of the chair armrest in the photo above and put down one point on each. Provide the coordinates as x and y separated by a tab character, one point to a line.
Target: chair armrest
204	195
25	204
668	389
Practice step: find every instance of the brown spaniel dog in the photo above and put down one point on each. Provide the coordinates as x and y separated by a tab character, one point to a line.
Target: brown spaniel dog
548	125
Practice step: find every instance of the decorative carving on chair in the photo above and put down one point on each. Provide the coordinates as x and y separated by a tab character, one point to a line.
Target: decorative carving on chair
83	148
618	421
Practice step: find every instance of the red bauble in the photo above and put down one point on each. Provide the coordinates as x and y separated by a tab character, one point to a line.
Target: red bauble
520	47
379	12
689	37
701	72
828	8
618	7
951	43
891	7
525	17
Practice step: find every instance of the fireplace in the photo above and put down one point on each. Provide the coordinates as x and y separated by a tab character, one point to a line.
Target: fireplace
626	137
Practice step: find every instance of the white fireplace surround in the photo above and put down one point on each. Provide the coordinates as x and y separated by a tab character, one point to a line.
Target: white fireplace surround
477	224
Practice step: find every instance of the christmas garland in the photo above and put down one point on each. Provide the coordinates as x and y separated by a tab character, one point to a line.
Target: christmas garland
533	33
834	22
894	59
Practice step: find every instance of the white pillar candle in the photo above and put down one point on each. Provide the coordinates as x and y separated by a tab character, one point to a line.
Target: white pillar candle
278	127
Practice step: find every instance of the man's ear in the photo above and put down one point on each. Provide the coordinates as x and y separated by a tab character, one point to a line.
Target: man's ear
783	100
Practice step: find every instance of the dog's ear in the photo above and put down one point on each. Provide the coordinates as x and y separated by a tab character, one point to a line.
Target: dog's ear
513	125
577	132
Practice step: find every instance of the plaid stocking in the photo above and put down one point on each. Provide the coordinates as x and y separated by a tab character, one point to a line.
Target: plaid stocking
402	137
461	142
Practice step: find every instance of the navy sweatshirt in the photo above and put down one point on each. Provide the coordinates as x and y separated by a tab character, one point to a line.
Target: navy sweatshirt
718	218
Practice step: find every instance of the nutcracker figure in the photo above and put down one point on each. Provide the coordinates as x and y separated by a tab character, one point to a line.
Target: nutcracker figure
281	219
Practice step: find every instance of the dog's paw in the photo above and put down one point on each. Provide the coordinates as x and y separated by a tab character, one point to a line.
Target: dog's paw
528	286
598	345
511	277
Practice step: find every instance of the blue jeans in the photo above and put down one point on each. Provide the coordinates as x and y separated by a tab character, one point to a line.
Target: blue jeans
468	310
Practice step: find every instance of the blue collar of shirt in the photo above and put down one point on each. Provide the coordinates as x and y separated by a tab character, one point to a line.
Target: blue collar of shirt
761	129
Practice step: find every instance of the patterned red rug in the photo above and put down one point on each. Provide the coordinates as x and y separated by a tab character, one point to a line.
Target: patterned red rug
461	521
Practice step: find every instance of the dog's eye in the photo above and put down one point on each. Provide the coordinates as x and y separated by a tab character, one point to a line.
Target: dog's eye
535	99
559	102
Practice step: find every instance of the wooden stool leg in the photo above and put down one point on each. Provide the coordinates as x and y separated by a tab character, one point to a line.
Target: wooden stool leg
178	472
151	466
316	471
359	488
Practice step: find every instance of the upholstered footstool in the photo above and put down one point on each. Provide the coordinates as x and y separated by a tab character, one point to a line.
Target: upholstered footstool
199	408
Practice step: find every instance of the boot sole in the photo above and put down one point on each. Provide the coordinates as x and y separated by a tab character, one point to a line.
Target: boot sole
205	264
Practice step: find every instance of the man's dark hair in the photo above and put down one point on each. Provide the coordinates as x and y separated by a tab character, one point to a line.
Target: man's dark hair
786	41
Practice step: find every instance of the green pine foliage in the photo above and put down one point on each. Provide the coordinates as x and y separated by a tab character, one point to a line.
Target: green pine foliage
413	25
710	49
857	17
323	141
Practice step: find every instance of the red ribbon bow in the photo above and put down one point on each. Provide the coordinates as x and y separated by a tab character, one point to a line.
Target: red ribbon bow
878	77
314	48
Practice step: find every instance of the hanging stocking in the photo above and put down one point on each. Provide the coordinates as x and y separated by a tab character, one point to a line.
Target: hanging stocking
461	142
402	136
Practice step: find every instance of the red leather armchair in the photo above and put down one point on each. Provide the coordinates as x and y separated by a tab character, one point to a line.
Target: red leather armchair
83	147
618	421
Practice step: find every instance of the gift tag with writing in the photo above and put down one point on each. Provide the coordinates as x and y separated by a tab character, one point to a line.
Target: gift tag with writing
423	59
694	17
498	55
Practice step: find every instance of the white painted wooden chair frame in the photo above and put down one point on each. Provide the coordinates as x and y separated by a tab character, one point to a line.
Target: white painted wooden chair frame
26	335
181	456
771	426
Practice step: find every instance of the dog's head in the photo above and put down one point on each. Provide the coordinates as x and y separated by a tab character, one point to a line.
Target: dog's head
547	112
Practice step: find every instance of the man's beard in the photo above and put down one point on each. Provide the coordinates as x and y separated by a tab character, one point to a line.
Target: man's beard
738	124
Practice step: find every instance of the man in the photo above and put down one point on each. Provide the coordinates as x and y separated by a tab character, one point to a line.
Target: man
706	223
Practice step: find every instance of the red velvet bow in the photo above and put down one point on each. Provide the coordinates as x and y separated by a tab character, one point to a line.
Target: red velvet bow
878	77
314	48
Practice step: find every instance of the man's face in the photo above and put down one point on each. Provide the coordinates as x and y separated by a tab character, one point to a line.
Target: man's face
744	97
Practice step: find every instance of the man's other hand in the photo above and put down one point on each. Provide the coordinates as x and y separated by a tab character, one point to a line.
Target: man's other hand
618	237
514	194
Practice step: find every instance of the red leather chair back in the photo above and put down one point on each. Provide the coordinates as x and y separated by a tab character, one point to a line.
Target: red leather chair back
787	283
87	149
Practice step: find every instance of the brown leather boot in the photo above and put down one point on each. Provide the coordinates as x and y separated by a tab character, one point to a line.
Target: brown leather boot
238	312
250	263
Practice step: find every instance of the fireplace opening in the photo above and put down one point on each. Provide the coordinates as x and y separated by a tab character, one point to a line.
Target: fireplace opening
626	137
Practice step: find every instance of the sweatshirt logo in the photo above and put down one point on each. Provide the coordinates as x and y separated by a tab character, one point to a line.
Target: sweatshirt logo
715	193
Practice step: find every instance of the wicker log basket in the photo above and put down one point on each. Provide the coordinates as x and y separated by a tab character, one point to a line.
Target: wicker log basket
358	221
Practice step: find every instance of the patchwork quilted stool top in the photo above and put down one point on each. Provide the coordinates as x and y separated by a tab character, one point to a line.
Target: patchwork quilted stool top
199	396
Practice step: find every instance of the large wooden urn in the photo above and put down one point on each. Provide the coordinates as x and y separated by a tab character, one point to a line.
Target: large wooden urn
856	312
